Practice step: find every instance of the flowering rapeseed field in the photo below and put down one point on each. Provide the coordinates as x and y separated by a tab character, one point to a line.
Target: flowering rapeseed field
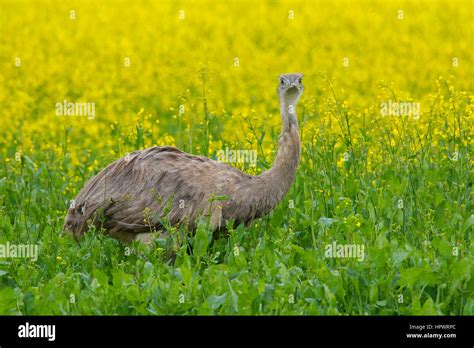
385	122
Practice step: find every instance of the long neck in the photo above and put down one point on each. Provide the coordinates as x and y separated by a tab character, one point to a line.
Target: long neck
288	112
263	194
279	178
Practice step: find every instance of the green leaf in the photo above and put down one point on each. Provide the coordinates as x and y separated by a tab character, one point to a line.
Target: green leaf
439	214
429	308
469	307
398	256
444	248
148	269
28	301
215	301
468	223
201	241
326	222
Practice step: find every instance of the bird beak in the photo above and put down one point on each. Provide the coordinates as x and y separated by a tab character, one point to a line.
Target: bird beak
295	85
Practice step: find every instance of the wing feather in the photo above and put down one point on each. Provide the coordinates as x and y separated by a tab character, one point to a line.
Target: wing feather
135	193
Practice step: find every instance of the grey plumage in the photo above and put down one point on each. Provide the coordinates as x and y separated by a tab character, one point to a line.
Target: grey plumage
130	196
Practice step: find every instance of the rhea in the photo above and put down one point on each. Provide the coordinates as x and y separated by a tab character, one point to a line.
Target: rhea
131	197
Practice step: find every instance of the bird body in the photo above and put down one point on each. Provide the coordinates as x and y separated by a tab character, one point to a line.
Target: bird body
131	197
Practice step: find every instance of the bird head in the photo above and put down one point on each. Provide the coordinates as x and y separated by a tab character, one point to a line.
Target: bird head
291	86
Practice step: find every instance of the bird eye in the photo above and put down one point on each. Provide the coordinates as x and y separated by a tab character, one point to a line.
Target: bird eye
300	80
282	81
